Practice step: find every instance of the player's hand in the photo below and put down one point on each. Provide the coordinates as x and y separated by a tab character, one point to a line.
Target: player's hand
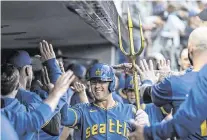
60	63
79	88
146	71
63	83
126	67
46	51
138	134
45	84
164	65
168	117
164	69
142	118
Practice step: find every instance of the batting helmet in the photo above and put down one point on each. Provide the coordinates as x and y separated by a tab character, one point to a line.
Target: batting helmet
129	84
78	69
102	72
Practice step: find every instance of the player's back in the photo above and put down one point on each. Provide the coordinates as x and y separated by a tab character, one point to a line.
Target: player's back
99	123
178	89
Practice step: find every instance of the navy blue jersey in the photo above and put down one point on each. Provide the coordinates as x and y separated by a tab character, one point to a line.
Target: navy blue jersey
154	113
27	97
95	122
173	90
27	124
189	117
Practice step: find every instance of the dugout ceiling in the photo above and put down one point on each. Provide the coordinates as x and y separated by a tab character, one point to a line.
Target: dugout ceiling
25	23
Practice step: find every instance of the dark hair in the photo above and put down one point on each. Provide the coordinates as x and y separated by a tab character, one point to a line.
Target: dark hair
9	79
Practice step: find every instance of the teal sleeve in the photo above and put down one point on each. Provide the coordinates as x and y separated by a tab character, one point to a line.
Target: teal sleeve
72	115
29	121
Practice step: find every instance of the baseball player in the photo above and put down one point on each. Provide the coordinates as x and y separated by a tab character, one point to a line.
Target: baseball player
25	123
22	61
186	120
104	118
174	90
129	90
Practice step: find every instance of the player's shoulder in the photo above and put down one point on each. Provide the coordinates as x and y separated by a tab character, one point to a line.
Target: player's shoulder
176	78
185	78
82	105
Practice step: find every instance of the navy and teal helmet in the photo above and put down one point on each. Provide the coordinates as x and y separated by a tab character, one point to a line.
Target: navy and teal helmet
78	70
102	72
129	84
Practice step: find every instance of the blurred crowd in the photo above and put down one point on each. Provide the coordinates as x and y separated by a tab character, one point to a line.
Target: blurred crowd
166	25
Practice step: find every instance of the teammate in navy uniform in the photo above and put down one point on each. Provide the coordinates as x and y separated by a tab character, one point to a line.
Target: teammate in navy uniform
29	122
186	120
175	89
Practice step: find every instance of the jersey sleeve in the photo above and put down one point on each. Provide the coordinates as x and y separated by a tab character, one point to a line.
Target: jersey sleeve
53	69
29	121
71	116
189	116
162	92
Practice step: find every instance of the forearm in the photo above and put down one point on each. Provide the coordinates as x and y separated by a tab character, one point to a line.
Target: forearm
83	97
52	101
54	70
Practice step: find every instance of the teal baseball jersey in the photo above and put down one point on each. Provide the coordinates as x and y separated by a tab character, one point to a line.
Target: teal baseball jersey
99	123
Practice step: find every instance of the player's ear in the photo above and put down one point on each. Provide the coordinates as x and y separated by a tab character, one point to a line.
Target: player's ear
28	70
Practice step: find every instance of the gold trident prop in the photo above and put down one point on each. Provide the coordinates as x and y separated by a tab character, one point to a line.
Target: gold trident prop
132	55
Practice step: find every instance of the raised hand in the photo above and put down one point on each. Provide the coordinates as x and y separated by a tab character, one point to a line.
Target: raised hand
79	88
45	84
60	63
46	51
164	65
146	71
164	69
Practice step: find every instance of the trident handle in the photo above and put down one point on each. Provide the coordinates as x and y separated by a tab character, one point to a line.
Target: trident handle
132	53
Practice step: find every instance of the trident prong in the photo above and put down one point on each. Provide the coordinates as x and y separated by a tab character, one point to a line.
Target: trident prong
120	40
142	36
132	55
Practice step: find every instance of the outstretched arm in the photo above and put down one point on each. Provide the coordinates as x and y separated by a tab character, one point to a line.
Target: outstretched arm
34	120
